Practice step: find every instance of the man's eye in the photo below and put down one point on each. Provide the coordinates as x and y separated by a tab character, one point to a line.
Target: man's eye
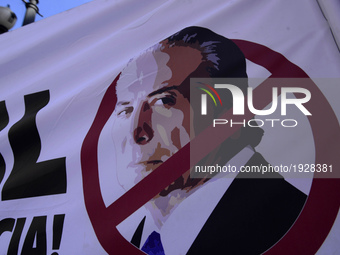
168	100
125	112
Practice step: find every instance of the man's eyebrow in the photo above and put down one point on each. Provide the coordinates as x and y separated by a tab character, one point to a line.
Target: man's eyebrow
161	90
123	103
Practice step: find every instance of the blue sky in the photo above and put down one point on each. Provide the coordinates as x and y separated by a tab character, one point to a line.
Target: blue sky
46	7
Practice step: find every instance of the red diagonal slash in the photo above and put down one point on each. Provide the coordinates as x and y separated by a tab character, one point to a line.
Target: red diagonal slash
105	220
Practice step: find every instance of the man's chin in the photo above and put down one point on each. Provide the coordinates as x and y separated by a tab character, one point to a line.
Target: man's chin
178	184
181	184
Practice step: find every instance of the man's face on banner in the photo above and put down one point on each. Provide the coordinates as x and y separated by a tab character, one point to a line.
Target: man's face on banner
152	116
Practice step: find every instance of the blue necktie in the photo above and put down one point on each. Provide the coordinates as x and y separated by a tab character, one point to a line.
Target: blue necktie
153	245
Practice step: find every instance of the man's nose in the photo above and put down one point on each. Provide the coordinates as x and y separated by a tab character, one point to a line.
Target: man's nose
143	132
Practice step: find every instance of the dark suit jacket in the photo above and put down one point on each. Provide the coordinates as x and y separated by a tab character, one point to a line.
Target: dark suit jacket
253	214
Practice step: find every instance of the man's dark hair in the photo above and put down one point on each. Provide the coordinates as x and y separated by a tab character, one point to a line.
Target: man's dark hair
226	61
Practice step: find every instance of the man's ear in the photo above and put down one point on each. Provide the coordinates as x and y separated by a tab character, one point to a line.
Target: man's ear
236	135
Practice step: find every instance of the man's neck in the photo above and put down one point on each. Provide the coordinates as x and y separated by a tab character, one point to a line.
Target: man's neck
161	207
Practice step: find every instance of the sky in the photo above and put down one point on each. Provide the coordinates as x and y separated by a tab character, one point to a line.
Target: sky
46	7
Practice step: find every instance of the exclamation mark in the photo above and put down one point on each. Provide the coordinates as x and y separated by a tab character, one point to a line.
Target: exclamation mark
58	224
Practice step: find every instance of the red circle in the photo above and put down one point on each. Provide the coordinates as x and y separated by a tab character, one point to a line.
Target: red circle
317	216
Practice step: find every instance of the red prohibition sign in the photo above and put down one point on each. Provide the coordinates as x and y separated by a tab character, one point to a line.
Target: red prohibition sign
315	220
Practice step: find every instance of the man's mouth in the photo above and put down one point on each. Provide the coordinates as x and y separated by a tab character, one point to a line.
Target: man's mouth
151	164
154	162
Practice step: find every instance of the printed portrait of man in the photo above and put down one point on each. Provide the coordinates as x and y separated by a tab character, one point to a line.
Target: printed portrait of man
154	119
